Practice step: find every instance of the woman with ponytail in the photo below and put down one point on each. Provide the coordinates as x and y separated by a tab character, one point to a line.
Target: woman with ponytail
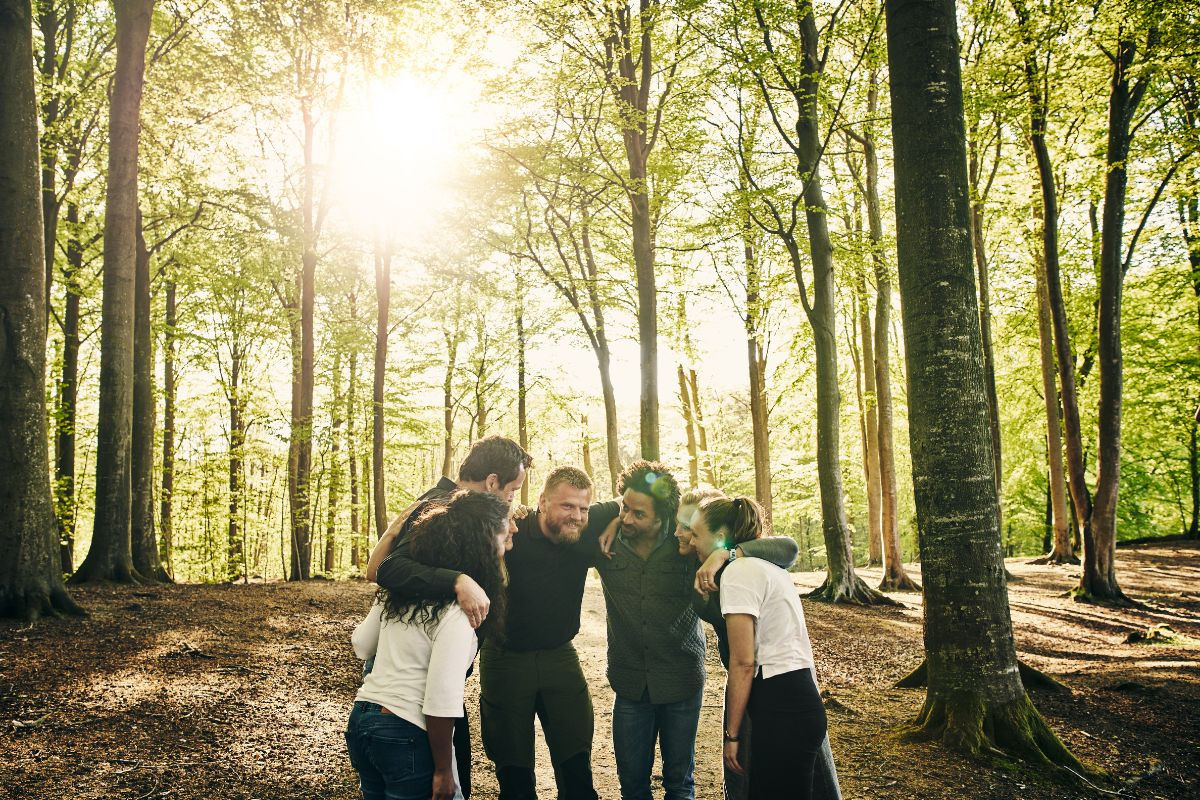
770	658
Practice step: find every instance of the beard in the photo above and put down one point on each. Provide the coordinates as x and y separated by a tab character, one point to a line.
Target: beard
563	532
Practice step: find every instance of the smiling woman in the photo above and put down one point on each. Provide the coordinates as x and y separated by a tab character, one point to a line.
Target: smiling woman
405	140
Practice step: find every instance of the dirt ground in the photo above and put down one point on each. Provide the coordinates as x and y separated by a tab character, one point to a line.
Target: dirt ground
199	692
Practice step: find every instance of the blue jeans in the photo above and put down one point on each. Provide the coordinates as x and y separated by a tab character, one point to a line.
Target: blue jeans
637	725
391	754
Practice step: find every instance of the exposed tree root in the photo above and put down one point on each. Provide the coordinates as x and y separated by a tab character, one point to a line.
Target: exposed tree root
119	573
852	591
1117	599
1030	677
903	583
39	600
1055	558
975	727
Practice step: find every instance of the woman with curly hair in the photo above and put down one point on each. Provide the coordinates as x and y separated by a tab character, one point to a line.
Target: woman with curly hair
770	658
401	729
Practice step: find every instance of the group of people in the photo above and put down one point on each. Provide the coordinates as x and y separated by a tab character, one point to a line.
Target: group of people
464	571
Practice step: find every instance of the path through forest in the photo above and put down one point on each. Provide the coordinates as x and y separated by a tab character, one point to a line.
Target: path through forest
201	692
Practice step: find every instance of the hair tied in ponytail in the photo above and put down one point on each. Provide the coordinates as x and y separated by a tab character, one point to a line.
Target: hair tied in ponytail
737	503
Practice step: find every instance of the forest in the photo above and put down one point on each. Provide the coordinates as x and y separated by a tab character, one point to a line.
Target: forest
930	295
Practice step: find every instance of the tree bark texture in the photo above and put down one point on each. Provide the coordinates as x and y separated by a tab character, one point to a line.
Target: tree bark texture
842	584
756	362
333	497
985	313
870	426
522	409
31	584
144	542
1099	579
689	426
66	414
1061	551
110	557
975	701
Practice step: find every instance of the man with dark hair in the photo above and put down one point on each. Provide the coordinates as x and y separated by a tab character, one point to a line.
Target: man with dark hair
655	642
494	465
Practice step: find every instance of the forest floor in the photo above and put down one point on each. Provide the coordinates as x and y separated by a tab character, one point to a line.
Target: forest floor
215	692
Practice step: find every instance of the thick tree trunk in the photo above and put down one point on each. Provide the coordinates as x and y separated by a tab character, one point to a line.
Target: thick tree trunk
383	295
689	425
166	521
1099	579
68	390
144	543
976	701
1061	551
30	580
110	556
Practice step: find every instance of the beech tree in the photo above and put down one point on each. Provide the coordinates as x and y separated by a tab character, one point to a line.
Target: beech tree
31	584
976	700
110	556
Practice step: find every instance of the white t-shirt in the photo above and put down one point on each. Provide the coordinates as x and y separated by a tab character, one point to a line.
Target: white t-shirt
764	591
416	674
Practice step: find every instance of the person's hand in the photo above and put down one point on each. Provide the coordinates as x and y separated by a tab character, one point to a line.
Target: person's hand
472	599
706	576
608	537
731	758
444	787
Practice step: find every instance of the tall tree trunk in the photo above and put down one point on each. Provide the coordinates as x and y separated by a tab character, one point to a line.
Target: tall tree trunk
167	491
895	578
1099	579
842	584
974	169
53	64
30	580
334	468
1035	86
235	556
68	391
383	295
110	556
870	426
631	88
1061	551
290	300
522	411
689	425
448	401
976	701
705	455
301	501
357	546
756	362
144	543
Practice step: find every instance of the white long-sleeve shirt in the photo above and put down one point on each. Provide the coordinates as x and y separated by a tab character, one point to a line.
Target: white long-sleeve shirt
416	673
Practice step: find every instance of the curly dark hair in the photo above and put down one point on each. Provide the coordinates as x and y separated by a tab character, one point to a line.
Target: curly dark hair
652	479
458	534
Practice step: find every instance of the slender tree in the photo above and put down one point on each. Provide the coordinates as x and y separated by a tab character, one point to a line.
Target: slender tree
976	700
30	581
383	294
110	556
